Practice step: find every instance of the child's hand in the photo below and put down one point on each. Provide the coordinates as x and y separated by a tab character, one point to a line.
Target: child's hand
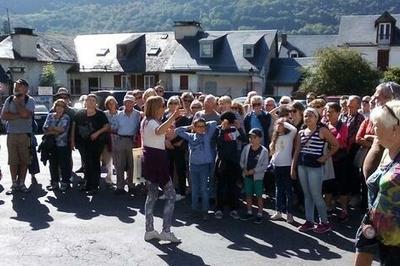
225	124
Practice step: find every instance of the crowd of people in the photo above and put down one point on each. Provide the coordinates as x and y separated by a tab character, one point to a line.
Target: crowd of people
321	155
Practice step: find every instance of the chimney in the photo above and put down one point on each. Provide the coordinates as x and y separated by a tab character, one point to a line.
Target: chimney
24	42
284	38
186	29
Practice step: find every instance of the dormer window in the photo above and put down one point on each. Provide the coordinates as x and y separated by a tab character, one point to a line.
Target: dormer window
206	50
248	50
384	32
102	52
293	54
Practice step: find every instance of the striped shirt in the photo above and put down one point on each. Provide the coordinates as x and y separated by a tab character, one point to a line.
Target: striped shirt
312	147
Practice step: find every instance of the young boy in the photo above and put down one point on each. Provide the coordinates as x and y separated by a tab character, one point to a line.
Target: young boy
229	136
254	162
200	160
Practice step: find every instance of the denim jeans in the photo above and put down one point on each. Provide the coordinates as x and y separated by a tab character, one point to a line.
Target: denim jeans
283	189
199	174
311	183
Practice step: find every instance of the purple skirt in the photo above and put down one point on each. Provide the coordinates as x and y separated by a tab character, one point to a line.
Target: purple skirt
155	166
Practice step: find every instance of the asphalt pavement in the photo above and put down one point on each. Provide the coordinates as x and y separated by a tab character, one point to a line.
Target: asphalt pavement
54	228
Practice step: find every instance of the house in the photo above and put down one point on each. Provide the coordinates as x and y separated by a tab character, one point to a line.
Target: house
23	55
189	58
376	37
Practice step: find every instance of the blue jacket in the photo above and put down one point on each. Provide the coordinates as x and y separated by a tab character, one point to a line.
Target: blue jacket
199	144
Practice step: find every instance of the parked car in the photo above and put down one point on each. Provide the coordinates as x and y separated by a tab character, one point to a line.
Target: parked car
41	112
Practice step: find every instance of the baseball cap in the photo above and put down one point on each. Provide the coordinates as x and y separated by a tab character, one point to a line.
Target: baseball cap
256	132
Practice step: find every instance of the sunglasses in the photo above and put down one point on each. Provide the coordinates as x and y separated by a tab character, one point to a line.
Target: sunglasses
391	112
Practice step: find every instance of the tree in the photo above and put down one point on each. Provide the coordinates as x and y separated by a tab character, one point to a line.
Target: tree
392	74
340	71
48	76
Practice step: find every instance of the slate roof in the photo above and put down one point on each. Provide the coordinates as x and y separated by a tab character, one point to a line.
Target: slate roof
229	55
286	71
360	30
174	55
307	45
49	47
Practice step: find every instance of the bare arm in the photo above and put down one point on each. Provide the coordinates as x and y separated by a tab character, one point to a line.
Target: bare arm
333	144
163	128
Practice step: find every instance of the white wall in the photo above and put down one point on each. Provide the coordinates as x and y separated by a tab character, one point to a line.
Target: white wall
371	55
394	56
283	90
33	70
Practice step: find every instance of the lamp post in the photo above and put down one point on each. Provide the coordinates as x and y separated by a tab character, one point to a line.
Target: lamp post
251	73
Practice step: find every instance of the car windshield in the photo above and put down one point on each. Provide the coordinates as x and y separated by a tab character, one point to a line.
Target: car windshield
41	109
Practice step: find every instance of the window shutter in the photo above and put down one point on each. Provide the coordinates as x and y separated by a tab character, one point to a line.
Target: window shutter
117	81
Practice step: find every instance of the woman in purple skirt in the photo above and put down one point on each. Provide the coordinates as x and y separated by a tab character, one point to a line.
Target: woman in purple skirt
155	167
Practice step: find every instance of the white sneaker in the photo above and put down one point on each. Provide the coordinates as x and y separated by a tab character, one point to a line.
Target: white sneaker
151	235
219	215
289	218
169	236
162	197
276	216
178	197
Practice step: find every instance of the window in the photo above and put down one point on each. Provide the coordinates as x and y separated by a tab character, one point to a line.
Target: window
94	83
153	51
125	84
293	54
75	85
206	50
184	82
383	59
149	81
248	51
102	52
384	33
164	36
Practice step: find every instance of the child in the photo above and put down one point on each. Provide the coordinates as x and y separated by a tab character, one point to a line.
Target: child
200	160
254	161
229	136
281	148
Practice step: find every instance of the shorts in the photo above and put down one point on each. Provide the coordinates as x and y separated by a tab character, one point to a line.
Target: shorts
252	187
19	149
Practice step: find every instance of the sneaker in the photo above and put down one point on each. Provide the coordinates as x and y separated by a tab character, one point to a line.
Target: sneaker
276	216
289	218
307	226
162	197
151	235
322	228
64	186
246	217
179	197
259	219
205	216
13	190
343	216
169	236
219	215
234	214
24	189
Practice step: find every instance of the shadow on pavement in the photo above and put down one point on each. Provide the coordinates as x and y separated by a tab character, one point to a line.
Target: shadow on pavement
176	256
103	203
29	209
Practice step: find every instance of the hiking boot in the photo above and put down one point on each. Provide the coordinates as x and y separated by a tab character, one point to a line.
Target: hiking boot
322	228
169	236
307	226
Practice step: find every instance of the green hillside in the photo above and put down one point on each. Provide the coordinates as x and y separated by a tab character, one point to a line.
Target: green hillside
103	16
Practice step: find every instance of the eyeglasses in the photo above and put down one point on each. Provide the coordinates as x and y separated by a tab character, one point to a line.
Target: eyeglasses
391	112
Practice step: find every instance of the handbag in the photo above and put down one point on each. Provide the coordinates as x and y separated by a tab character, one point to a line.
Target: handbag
360	157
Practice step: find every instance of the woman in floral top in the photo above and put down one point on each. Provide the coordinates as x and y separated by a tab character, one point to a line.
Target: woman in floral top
380	230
